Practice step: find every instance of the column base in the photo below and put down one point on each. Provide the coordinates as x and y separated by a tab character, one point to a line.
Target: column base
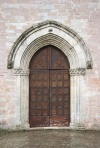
77	126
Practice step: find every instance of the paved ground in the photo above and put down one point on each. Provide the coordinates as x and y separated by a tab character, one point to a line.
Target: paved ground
50	139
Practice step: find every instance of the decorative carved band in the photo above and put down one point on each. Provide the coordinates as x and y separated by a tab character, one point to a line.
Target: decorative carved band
75	72
21	72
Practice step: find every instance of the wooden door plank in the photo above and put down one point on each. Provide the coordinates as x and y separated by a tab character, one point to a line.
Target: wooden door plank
60	98
39	98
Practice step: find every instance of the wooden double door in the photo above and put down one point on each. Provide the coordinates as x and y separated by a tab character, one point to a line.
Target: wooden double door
49	83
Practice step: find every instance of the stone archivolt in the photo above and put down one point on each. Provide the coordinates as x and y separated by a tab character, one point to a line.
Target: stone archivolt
50	33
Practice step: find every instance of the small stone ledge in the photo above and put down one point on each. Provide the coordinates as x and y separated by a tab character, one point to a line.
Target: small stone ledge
49	128
10	64
89	65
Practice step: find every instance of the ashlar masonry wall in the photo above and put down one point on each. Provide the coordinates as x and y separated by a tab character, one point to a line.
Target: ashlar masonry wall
83	16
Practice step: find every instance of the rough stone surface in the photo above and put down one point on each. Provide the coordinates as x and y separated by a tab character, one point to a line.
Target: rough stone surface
84	18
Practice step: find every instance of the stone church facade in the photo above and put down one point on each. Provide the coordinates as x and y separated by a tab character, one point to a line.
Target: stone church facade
67	30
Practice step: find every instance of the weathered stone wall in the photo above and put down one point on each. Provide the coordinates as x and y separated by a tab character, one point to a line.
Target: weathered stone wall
83	16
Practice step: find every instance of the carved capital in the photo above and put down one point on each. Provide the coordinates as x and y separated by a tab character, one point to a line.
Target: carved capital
79	71
21	72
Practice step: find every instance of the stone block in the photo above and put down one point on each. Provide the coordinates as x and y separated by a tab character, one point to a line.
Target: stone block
10	31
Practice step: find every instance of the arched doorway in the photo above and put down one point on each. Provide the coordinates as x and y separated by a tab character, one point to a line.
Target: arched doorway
72	45
49	88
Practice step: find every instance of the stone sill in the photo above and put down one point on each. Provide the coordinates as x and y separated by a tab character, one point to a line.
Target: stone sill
48	128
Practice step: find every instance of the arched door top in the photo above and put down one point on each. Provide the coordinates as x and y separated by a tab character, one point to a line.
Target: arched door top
51	58
50	33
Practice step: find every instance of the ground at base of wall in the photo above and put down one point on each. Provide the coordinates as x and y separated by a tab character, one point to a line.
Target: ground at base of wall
50	139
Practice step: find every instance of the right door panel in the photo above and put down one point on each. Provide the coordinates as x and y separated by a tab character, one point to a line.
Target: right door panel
59	98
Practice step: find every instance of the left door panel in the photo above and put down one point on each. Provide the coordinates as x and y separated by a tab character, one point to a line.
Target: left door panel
39	98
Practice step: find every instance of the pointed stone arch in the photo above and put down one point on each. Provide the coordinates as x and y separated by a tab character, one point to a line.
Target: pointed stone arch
52	33
36	37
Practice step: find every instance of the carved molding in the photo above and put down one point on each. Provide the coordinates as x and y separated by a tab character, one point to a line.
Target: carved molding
21	72
75	72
